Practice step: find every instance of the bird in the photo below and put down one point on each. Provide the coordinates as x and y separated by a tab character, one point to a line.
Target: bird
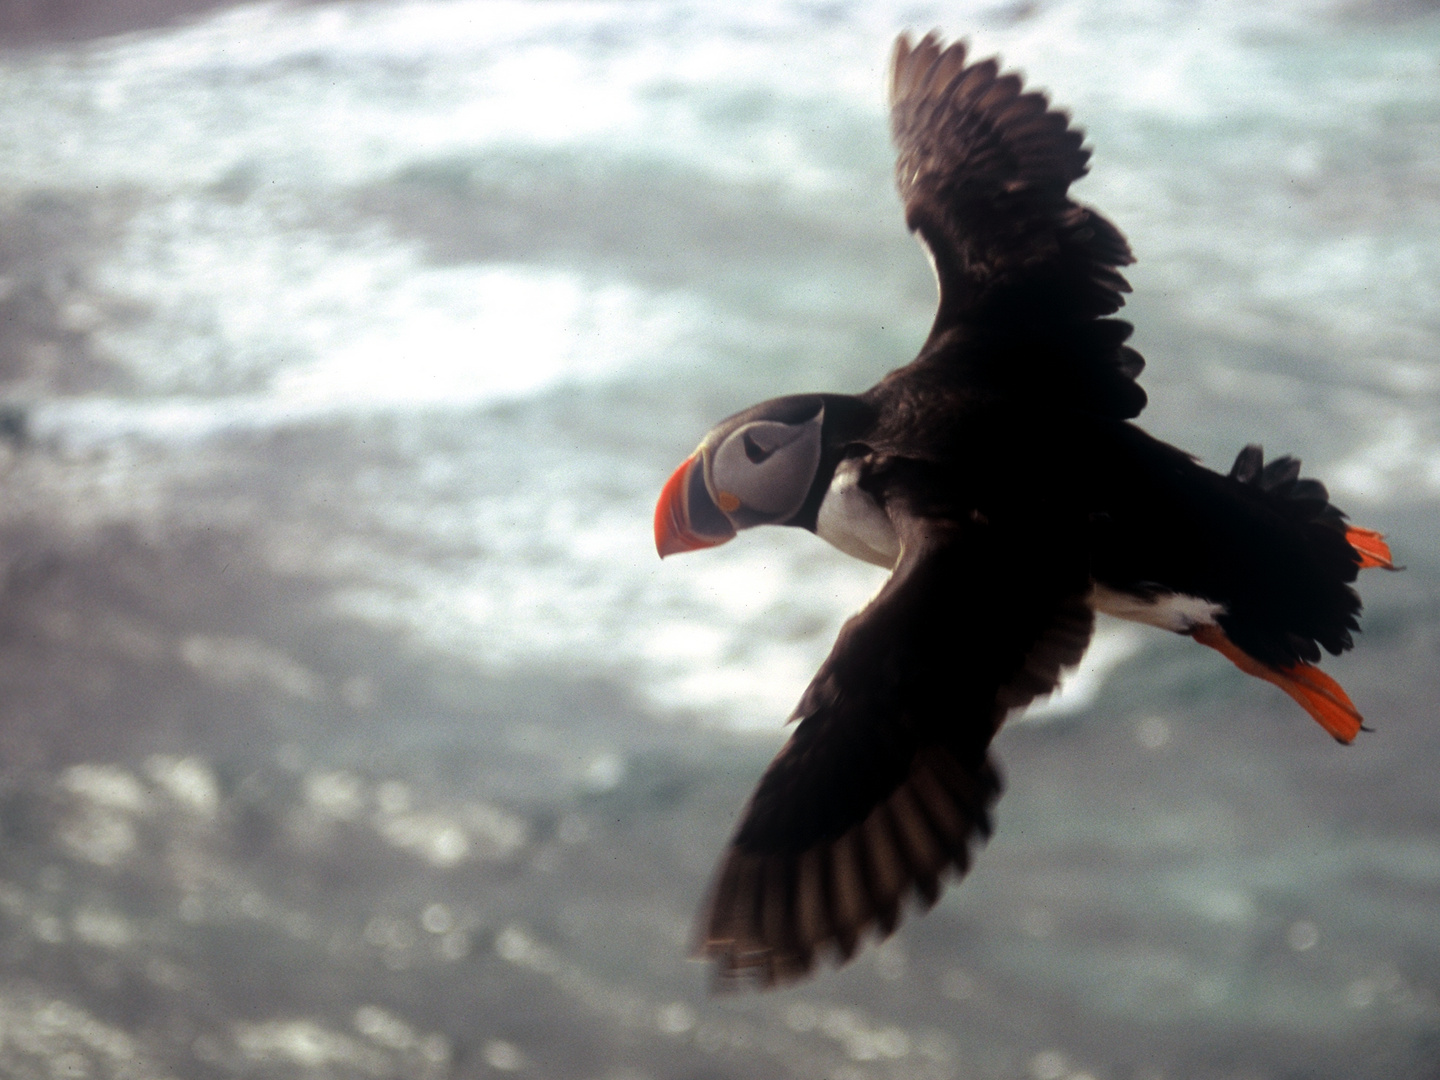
1001	480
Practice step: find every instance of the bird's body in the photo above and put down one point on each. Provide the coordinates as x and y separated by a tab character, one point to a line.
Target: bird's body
1001	480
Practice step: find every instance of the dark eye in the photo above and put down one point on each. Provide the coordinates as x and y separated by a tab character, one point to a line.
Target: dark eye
754	451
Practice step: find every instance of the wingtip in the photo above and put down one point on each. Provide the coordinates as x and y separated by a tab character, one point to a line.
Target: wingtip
898	54
733	970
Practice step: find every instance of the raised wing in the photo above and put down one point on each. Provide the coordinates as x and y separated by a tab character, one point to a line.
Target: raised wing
983	170
887	781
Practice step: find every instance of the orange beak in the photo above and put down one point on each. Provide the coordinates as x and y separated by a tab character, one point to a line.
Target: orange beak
686	518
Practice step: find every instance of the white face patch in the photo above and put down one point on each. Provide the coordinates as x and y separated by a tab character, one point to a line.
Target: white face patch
767	466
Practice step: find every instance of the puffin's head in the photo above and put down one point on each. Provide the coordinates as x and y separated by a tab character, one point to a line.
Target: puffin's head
756	468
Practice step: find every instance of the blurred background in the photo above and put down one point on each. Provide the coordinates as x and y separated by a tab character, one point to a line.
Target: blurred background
350	727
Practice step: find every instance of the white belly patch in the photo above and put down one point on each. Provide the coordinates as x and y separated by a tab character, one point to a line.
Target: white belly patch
851	520
1169	611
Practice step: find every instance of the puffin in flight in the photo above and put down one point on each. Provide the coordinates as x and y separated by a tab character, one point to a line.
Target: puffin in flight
1000	479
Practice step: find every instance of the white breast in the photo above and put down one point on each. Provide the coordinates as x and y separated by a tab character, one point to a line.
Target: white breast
851	520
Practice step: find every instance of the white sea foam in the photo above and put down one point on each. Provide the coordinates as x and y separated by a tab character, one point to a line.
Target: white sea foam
299	105
727	636
241	299
1245	154
349	93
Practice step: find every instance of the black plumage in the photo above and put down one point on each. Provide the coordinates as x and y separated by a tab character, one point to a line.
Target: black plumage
1000	474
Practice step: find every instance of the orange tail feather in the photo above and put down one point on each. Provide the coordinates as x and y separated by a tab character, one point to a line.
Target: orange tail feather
1317	693
1371	547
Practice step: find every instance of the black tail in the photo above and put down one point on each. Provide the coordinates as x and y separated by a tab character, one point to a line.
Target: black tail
1262	541
1297	598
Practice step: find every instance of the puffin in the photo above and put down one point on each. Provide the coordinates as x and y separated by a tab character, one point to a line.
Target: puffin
1000	479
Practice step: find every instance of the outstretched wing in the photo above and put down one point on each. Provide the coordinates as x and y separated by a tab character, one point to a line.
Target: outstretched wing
887	781
983	170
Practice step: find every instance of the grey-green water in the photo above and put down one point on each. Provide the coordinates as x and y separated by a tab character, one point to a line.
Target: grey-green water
349	725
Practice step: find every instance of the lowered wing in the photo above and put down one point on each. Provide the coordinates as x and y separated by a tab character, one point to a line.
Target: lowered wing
886	782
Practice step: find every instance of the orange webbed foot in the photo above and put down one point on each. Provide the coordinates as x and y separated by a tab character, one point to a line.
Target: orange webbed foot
1317	693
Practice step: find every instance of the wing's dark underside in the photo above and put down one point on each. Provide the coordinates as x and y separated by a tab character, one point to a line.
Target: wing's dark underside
886	782
1026	274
